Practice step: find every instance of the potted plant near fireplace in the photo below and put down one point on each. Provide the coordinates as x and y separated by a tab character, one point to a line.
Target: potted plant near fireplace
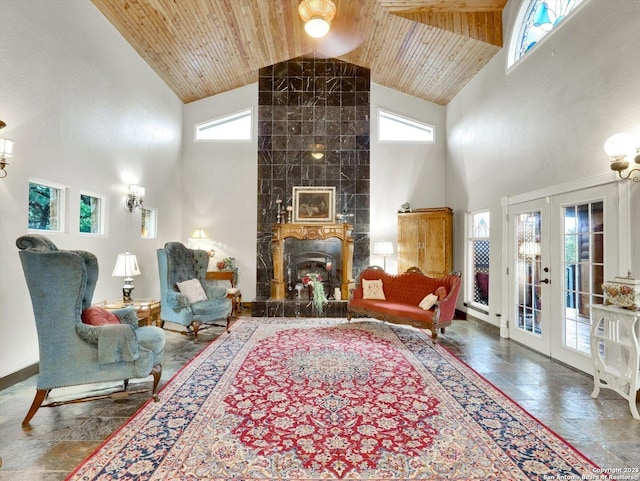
318	298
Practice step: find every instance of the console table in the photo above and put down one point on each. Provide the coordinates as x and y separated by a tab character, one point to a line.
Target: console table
614	349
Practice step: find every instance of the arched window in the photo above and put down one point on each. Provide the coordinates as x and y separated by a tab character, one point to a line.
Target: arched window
536	19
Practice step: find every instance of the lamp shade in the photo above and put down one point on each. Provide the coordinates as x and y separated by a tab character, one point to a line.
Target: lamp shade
6	148
200	240
137	191
619	145
126	265
383	248
199	234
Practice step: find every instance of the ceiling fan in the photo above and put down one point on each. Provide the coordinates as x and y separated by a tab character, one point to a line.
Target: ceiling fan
332	36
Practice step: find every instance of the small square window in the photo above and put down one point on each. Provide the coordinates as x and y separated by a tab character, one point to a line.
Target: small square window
91	213
148	223
46	206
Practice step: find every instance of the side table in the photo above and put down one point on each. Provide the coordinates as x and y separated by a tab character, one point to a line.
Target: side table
233	293
148	310
615	353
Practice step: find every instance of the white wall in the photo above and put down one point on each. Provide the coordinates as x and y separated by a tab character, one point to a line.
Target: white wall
403	172
544	123
220	182
87	112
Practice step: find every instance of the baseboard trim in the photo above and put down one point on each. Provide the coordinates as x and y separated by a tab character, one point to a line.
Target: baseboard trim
460	315
21	375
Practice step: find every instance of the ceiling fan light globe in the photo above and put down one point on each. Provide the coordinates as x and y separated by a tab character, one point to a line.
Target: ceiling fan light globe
316	27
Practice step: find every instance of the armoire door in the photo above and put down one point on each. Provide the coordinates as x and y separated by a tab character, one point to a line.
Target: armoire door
410	243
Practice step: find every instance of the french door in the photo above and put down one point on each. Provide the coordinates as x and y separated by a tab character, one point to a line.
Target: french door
530	275
562	250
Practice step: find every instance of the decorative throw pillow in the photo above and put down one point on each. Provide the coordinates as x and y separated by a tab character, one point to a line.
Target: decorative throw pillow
441	292
372	289
193	290
428	302
97	316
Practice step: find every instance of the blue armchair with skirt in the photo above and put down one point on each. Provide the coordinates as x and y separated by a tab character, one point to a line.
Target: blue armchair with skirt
186	298
79	343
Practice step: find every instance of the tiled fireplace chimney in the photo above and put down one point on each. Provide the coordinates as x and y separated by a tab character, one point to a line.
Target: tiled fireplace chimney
305	102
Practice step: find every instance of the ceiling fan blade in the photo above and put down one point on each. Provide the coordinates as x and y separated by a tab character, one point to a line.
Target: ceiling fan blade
344	36
336	44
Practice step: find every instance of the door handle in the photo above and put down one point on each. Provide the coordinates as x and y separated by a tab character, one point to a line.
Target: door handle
545	281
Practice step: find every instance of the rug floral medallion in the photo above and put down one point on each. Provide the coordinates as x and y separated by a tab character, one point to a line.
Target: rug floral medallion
317	399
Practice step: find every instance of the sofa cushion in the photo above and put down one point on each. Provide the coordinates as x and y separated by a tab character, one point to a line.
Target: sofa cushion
97	316
441	292
428	302
372	289
398	309
193	290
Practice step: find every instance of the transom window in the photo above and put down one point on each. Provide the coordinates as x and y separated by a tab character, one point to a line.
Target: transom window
535	20
395	128
236	126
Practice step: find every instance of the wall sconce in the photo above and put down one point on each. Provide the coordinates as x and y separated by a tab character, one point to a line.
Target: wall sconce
384	249
316	15
200	240
621	147
135	197
6	150
127	267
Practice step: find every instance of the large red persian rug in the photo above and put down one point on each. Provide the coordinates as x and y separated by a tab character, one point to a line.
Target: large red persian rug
307	399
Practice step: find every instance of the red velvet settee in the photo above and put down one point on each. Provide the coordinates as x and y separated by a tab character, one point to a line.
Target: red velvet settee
403	293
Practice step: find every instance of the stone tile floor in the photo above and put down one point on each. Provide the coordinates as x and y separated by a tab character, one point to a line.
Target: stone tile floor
59	438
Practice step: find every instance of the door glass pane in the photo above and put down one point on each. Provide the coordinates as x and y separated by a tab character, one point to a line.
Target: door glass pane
529	272
583	270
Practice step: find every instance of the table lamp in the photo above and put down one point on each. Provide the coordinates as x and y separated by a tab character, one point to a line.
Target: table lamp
384	249
127	267
200	240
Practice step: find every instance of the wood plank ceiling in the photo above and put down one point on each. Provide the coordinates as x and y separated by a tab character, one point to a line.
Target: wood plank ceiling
426	48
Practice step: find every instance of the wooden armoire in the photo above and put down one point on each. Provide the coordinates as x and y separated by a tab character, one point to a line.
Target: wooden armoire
425	240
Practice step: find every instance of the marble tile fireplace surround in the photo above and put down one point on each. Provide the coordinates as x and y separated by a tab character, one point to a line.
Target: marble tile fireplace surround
305	103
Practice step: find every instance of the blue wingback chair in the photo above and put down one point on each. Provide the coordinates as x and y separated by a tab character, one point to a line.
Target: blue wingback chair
61	284
177	263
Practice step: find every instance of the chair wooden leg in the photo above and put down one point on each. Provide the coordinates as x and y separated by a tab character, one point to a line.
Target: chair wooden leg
157	373
41	394
196	326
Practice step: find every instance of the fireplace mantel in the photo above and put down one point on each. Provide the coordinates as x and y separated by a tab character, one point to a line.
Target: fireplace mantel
311	232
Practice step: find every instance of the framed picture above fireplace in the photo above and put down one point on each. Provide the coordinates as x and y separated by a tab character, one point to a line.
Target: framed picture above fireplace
314	204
